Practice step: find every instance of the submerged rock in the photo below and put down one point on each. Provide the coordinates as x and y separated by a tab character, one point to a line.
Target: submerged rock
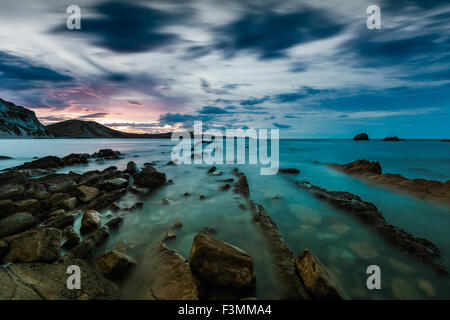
43	281
220	263
16	223
289	171
91	220
34	246
150	177
114	264
318	282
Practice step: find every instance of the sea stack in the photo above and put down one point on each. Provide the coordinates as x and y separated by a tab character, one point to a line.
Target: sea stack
361	136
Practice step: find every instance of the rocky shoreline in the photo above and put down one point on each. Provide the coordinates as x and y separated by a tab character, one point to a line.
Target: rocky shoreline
38	208
422	188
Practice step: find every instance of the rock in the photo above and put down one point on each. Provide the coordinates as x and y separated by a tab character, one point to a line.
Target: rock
217	173
6	207
70	203
16	223
85	248
91	220
242	207
12	191
72	238
231	180
60	221
290	285
224	187
289	171
171	278
170	235
133	169
319	284
368	213
241	186
220	263
116	183
202	197
106	153
106	199
59	183
37	190
361	136
151	178
43	163
55	201
137	206
34	246
114	264
165	201
43	281
186	194
211	170
57	212
3	249
75	158
208	230
31	205
114	223
114	207
178	225
136	190
5	158
393	139
360	167
86	194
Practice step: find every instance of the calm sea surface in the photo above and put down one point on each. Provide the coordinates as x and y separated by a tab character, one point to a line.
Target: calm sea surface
340	241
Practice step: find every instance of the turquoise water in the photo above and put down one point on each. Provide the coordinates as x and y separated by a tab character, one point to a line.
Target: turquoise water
344	245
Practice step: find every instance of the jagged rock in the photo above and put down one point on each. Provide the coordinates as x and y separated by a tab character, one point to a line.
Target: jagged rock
31	205
220	263
317	280
85	248
91	220
151	178
34	246
114	264
75	158
116	183
289	171
241	186
72	238
106	199
369	214
6	207
59	221
16	223
361	136
290	286
86	194
55	201
70	203
3	249
115	223
43	281
170	278
133	169
224	187
211	170
360	167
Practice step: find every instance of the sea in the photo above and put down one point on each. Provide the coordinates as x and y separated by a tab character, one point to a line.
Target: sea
344	245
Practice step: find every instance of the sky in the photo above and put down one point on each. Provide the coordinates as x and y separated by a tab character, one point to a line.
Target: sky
310	68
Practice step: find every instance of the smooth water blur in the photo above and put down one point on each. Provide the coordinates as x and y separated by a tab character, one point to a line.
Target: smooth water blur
344	245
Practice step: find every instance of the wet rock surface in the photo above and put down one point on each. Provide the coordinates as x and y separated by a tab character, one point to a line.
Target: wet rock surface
114	264
150	177
368	213
316	278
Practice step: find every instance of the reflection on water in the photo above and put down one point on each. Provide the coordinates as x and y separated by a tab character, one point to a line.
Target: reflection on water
344	245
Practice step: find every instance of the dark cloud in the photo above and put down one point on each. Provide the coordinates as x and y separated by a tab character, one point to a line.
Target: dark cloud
94	115
127	27
135	102
254	101
268	33
212	110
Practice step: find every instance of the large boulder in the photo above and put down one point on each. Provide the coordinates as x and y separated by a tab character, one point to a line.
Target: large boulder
163	275
150	177
6	207
30	205
91	220
133	169
318	282
361	137
69	204
16	223
220	263
34	246
86	194
43	281
113	264
58	183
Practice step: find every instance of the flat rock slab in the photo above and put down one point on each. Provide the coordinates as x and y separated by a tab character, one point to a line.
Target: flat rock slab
42	281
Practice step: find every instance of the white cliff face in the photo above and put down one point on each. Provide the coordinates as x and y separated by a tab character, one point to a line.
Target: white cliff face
19	122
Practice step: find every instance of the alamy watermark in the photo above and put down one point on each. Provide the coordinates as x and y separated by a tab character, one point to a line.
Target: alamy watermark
234	142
